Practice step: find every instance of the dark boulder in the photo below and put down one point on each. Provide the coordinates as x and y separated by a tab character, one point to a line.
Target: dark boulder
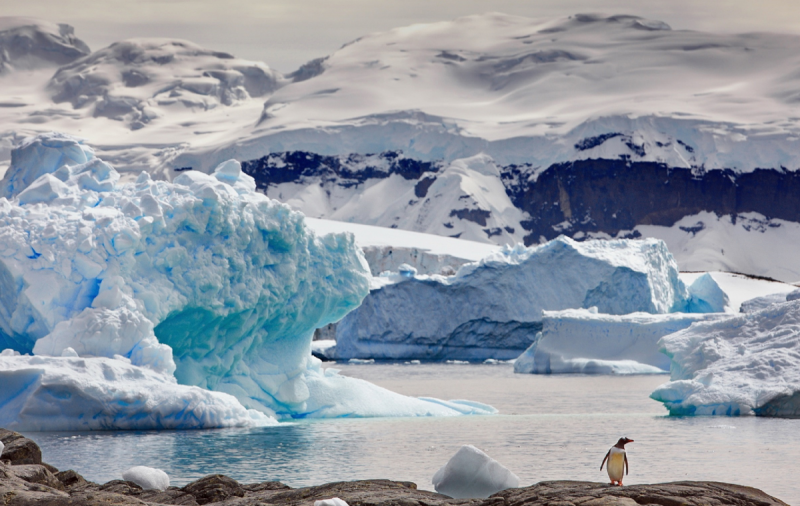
694	493
214	488
19	449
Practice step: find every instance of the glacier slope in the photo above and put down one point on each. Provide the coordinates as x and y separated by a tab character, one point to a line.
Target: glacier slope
465	199
497	84
439	91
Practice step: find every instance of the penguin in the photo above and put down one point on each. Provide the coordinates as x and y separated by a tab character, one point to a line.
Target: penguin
617	461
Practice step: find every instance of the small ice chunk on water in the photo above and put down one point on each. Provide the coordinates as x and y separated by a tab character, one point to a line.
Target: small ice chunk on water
361	361
333	501
472	473
147	477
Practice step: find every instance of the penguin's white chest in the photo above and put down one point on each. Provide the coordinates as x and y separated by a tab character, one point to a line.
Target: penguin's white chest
616	464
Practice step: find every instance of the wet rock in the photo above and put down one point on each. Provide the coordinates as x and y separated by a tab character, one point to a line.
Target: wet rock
121	487
37	473
71	479
19	449
695	493
214	488
360	493
173	495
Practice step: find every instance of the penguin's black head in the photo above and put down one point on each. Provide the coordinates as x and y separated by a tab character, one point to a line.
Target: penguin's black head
622	442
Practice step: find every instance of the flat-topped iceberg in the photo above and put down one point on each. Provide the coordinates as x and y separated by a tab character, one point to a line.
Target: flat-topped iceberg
202	277
743	365
583	341
493	308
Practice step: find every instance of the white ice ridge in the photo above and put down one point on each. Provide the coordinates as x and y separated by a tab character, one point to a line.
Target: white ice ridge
492	308
583	341
743	365
471	473
202	276
93	393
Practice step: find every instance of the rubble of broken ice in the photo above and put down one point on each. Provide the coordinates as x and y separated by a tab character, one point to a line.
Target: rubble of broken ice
604	307
131	296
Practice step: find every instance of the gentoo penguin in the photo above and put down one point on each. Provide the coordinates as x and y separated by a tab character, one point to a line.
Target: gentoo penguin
617	461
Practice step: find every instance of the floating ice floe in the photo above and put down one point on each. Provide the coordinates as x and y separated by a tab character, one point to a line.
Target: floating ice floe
92	393
493	308
583	341
147	477
202	277
471	473
743	365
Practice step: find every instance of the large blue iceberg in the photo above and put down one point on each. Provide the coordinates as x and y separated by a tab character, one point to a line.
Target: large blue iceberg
202	278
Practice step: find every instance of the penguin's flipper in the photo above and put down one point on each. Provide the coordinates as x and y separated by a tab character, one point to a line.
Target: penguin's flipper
627	467
604	459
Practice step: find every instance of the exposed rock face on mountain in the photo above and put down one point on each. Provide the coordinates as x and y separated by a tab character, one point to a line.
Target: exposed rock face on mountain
609	196
463	198
585	198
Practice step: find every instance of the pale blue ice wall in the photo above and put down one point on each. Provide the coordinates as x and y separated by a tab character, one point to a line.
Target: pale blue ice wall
493	308
202	276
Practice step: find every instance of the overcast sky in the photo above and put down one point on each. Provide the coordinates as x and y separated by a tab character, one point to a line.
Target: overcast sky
284	34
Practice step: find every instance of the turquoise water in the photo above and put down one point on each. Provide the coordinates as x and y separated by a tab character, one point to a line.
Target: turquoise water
550	427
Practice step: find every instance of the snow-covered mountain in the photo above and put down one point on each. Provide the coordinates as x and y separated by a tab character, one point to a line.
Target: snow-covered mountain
492	128
27	43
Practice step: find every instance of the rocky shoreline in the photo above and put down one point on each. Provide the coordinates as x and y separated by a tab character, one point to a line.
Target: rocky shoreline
26	480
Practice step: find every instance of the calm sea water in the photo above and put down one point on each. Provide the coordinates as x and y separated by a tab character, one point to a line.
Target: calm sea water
550	428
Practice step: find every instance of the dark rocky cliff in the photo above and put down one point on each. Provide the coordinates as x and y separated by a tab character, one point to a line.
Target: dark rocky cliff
615	195
575	198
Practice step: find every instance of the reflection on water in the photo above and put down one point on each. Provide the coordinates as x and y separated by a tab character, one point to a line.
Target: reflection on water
550	427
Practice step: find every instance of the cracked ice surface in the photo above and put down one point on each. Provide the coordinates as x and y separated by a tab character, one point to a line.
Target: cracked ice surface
743	365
